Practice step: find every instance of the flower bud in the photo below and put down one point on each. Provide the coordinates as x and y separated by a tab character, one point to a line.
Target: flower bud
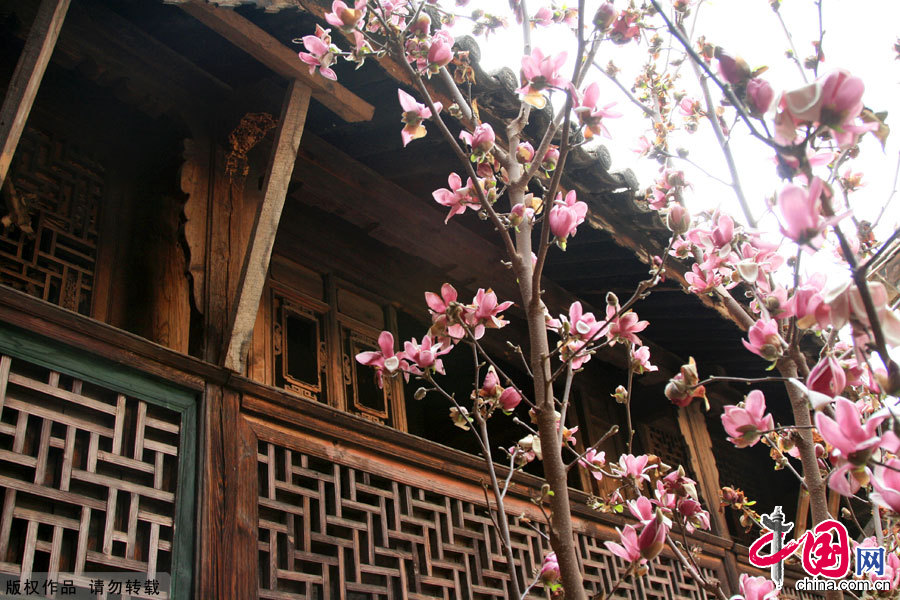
420	393
605	16
551	157
678	219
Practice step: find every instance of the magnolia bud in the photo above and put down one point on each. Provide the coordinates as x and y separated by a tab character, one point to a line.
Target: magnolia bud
612	299
420	393
604	16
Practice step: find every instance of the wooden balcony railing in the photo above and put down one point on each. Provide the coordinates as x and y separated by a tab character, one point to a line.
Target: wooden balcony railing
99	455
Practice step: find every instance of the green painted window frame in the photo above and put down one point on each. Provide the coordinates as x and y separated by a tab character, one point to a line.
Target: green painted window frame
58	356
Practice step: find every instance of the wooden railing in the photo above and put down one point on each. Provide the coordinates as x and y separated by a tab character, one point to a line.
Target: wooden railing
304	501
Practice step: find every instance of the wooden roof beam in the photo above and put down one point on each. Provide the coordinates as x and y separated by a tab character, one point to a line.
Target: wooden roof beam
27	77
256	42
268	215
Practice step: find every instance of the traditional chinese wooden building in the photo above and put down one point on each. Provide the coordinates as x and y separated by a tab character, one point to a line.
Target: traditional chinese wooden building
199	236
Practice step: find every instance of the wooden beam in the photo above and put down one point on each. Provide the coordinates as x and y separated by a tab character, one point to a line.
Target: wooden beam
262	236
256	42
27	77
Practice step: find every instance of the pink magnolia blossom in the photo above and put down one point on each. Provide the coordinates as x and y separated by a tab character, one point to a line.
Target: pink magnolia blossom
756	588
801	212
626	27
628	550
635	466
485	312
590	116
593	461
844	304
481	140
566	216
551	157
804	301
321	54
702	282
760	96
764	339
549	569
440	53
509	399
457	198
642	510
694	515
344	17
425	356
827	377
886	481
543	16
385	359
540	72
850	439
605	16
622	328
733	69
744	423
413	115
640	360
440	317
653	537
525	153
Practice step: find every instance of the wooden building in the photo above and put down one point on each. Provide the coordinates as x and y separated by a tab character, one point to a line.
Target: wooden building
183	292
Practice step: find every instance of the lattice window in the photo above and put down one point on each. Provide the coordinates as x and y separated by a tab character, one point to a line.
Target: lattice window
58	193
667	445
327	529
91	478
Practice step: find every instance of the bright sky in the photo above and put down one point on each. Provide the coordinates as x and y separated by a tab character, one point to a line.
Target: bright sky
859	36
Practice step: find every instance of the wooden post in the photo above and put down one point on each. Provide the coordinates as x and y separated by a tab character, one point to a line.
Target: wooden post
693	428
27	78
262	236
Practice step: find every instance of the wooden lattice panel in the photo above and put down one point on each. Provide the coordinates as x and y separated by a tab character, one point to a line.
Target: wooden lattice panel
62	190
88	477
328	531
669	446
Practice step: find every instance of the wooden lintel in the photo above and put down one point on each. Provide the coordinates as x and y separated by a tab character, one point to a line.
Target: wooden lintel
266	49
262	236
27	77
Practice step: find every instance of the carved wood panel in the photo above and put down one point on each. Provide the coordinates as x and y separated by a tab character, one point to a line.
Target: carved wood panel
328	530
59	192
88	477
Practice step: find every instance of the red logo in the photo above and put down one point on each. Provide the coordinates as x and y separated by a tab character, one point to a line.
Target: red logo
826	550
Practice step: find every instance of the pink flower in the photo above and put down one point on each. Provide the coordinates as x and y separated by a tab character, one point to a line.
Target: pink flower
757	588
733	69
481	140
623	328
344	17
628	550
605	16
804	302
539	73
457	198
801	212
551	157
485	312
413	115
694	515
440	53
642	510
425	356
549	569
653	537
590	116
385	359
850	439
566	216
543	16
886	482
440	318
626	27
760	96
764	340
701	282
635	466
525	153
640	360
593	461
744	423
827	377
321	53
509	399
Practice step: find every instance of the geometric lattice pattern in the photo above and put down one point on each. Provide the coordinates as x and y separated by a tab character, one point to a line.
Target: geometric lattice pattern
329	531
61	191
87	476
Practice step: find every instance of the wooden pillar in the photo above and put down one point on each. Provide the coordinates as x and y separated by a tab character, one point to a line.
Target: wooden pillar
27	78
228	500
693	427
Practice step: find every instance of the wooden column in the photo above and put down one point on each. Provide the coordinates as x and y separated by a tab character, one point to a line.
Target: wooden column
27	78
692	424
228	499
262	236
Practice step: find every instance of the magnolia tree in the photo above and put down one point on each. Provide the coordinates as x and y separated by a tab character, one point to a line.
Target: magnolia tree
842	395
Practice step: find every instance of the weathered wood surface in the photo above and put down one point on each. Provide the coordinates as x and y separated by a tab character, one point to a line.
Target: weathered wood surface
692	423
262	234
27	77
272	53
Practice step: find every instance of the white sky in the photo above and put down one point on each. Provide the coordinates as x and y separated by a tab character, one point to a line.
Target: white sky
859	36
